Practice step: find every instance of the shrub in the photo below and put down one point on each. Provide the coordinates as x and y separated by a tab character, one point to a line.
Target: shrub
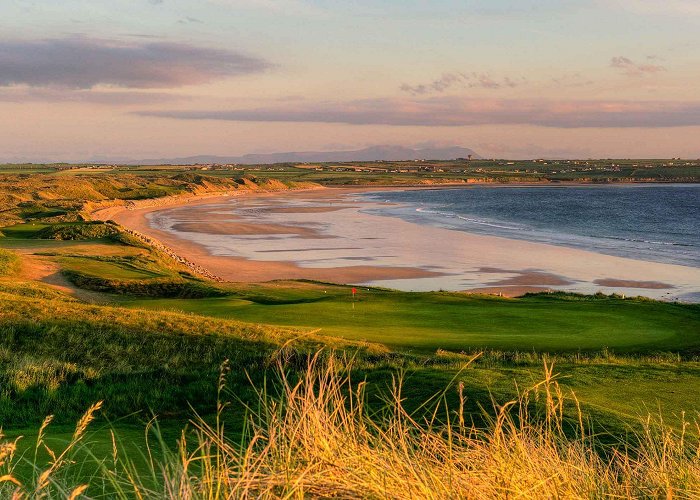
77	231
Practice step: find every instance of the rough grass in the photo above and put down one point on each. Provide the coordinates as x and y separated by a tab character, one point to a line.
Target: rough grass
116	267
58	355
140	274
316	438
303	436
9	262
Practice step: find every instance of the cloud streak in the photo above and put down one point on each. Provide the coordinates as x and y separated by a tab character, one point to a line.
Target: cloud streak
450	81
453	112
631	68
102	97
83	63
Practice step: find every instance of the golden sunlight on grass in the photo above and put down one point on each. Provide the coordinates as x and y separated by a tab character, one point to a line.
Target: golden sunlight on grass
316	437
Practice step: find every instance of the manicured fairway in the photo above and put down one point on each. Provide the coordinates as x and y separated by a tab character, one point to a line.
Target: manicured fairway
424	322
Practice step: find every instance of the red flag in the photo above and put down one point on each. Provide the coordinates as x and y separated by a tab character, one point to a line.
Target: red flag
354	291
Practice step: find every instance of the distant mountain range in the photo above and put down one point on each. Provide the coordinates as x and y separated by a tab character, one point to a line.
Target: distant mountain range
374	153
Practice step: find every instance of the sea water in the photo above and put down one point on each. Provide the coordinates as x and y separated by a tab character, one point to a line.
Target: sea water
656	222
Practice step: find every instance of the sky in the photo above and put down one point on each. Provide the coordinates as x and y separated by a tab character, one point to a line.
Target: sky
103	80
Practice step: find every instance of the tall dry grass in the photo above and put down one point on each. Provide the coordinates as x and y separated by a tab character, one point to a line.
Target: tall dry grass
47	481
317	437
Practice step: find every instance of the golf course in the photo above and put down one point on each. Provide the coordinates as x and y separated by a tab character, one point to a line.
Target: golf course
381	250
91	313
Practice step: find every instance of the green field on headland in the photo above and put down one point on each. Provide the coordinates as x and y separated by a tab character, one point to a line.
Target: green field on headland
402	172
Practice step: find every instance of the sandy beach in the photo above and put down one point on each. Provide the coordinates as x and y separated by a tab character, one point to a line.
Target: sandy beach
232	268
329	235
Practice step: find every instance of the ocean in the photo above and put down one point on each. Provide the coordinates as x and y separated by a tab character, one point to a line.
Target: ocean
654	222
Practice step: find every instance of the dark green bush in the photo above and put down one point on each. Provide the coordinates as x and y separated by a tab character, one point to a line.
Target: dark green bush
77	231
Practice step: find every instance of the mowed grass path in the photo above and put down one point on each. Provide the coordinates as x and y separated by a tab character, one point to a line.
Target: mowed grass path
424	322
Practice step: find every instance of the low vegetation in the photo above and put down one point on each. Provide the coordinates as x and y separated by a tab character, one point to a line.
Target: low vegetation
386	172
59	355
316	437
78	231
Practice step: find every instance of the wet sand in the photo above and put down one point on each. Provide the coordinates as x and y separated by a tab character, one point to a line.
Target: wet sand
237	269
508	291
653	285
328	235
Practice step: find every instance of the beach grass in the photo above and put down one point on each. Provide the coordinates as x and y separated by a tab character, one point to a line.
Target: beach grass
314	434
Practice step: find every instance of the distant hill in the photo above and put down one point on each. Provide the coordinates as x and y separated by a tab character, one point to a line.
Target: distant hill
374	153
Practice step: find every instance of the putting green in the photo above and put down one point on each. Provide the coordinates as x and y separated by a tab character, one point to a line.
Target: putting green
429	321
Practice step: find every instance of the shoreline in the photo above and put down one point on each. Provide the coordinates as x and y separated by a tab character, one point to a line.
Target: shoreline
499	265
236	269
